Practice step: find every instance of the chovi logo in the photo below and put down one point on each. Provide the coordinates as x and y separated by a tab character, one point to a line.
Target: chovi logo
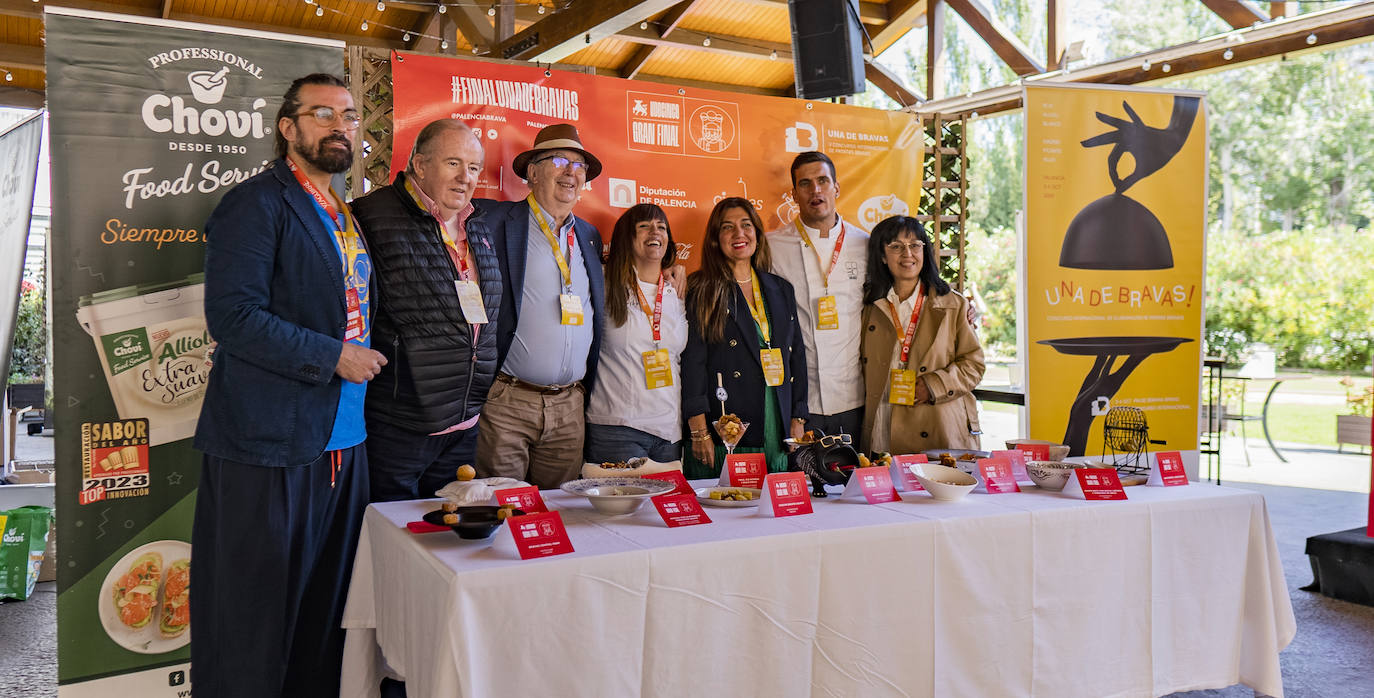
171	114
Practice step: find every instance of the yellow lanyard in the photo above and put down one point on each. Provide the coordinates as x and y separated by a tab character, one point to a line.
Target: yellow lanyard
553	242
350	244
756	309
834	256
449	242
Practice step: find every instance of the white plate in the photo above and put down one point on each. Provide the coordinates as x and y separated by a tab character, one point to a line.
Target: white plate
704	496
147	639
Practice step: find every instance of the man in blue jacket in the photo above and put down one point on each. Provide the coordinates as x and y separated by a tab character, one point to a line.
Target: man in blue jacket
284	481
552	313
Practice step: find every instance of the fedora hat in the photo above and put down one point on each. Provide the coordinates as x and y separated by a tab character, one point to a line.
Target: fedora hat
556	137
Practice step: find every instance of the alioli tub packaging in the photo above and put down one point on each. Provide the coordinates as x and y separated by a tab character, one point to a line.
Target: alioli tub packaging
153	346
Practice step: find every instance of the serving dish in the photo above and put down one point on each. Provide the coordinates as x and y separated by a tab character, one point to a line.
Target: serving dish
635	467
943	482
1052	475
474	523
1058	451
704	496
968	463
617	495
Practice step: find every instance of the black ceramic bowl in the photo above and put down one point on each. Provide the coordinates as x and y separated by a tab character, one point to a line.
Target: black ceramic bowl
474	523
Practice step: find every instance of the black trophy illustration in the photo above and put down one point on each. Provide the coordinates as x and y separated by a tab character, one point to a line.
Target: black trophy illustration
1118	232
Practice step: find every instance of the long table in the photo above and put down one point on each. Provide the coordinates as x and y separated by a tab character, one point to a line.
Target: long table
1029	594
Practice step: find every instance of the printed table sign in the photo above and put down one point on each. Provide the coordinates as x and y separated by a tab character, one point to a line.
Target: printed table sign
994	476
525	498
680	485
1033	451
426	527
902	476
785	494
1168	470
871	484
743	470
1018	458
680	509
1095	484
539	535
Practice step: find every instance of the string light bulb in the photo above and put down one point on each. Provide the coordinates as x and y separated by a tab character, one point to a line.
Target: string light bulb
442	9
1145	65
1311	39
405	37
319	11
381	6
443	45
364	25
474	50
643	25
541	9
9	77
1228	54
773	55
706	41
1166	67
491	11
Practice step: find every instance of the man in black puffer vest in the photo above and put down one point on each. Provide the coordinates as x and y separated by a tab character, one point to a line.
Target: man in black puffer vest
438	291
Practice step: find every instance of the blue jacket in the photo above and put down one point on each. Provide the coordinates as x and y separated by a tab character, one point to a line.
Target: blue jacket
509	222
274	300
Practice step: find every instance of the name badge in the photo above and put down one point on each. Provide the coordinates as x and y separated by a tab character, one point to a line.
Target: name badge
772	366
658	370
354	306
571	306
903	391
470	301
827	316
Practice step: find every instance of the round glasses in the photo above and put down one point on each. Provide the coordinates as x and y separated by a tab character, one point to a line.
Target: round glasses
560	162
327	117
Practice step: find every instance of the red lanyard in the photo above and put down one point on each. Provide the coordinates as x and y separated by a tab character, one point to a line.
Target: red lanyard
911	327
656	315
350	244
834	256
310	189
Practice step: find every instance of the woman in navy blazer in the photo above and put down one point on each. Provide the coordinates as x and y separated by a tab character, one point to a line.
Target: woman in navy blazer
726	345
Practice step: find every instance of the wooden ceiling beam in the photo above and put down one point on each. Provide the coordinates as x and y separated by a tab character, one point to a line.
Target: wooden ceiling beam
869	12
424	29
166	8
641	55
720	43
472	22
727	87
1054	33
998	37
1236	13
890	84
904	15
665	25
21	98
20	57
570	30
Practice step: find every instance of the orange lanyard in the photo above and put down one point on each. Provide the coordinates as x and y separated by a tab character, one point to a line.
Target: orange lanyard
656	313
449	241
911	327
834	256
350	245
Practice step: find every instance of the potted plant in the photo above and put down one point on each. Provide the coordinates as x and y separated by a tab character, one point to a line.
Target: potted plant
1353	428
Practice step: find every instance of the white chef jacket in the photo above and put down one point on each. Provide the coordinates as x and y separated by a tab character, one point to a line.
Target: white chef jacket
835	381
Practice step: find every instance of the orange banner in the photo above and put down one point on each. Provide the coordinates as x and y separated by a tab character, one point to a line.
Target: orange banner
681	148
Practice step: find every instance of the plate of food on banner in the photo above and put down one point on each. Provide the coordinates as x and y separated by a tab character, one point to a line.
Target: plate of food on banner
144	602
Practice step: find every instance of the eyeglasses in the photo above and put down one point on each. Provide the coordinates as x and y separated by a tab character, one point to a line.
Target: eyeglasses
560	162
898	248
326	117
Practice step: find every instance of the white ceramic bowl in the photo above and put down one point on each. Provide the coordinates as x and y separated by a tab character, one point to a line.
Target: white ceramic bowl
617	495
1058	451
943	482
1051	475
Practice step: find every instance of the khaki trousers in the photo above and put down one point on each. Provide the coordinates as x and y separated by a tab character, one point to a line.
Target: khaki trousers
530	436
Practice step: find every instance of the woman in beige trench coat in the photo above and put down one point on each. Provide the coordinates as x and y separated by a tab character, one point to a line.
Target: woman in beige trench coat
921	358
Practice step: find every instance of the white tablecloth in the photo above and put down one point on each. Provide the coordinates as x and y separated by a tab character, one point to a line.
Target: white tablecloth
1178	588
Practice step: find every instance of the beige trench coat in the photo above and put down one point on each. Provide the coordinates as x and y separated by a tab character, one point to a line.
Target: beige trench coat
946	354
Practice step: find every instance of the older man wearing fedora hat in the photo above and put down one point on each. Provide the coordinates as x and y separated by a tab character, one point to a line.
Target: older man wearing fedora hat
552	313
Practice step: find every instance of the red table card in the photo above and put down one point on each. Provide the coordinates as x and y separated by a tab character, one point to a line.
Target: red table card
526	499
1095	484
1018	459
902	476
1168	470
785	494
426	527
539	535
680	509
872	484
1033	451
995	476
680	485
743	470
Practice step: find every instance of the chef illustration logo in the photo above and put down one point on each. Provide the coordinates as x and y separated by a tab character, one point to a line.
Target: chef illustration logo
712	129
164	113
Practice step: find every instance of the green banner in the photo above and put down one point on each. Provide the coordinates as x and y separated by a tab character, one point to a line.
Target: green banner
151	123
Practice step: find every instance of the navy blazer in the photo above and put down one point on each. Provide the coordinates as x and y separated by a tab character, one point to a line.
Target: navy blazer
274	300
736	359
509	222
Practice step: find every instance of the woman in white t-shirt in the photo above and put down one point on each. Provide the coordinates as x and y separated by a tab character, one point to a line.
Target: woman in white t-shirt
635	408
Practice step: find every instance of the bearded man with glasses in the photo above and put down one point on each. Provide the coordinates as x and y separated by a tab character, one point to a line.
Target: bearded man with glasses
284	480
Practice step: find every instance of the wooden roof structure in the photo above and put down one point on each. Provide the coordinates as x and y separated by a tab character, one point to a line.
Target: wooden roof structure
741	45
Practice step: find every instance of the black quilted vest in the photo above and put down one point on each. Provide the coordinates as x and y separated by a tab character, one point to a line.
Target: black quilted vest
435	375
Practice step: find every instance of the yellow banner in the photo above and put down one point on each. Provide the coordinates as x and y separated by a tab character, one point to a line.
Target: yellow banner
1115	222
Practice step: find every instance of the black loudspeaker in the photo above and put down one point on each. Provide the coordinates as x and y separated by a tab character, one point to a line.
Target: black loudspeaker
827	47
